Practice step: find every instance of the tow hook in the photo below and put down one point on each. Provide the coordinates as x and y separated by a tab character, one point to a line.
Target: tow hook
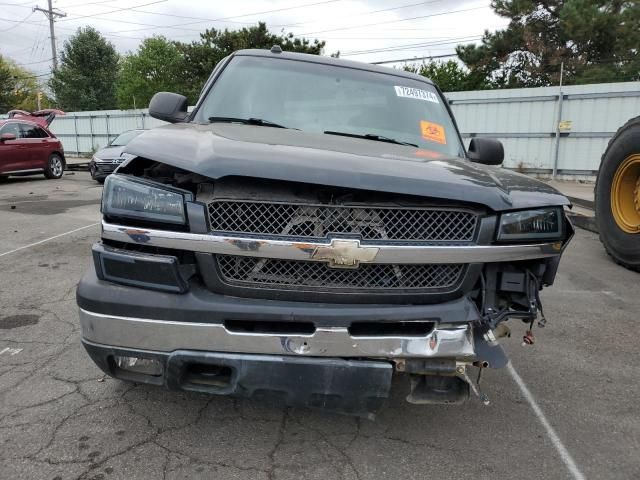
461	372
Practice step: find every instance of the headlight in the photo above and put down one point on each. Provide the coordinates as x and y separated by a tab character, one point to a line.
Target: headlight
140	199
543	223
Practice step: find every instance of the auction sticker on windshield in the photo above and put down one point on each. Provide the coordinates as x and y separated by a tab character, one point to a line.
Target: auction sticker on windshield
416	93
433	132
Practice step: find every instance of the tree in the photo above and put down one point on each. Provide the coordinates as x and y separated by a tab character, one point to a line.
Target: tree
597	40
200	57
450	76
18	88
155	67
86	77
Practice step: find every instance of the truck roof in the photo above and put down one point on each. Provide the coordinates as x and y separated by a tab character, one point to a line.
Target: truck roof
338	62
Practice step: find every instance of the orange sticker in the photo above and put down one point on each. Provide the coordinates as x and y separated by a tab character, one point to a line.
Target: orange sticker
433	131
427	154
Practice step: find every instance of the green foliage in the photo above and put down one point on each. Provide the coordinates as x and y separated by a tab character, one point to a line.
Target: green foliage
597	40
450	76
162	65
18	88
200	57
156	66
85	79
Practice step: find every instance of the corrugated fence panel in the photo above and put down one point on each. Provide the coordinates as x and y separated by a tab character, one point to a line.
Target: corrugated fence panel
84	132
527	153
525	120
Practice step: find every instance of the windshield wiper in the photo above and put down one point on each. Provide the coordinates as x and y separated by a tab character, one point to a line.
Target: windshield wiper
248	121
370	136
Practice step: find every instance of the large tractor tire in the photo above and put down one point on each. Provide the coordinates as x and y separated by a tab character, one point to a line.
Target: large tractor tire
617	199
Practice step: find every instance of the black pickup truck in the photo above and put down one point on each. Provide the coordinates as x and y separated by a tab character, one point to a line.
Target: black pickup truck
311	227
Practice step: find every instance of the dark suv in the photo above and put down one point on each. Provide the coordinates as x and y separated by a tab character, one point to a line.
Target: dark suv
311	227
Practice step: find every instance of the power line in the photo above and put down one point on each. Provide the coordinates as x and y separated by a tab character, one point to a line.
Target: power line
113	11
449	12
13	20
387	38
18	23
371	12
22	5
34	63
431	57
410	46
186	17
14	52
82	4
226	19
45	74
39	37
51	15
175	26
223	19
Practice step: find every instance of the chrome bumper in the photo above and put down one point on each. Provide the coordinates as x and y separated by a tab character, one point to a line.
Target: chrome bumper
343	252
445	341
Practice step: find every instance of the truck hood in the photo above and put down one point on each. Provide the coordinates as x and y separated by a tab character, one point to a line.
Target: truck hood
221	150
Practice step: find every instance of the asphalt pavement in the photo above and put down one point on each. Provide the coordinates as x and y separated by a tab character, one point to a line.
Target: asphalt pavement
567	408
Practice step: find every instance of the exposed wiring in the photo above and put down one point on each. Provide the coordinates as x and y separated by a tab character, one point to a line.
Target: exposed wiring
532	288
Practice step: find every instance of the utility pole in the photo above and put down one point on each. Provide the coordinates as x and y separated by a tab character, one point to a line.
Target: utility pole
51	15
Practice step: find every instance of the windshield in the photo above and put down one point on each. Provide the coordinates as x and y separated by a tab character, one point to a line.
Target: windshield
124	138
333	100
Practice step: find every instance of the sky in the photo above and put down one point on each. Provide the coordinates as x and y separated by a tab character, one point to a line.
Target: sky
362	30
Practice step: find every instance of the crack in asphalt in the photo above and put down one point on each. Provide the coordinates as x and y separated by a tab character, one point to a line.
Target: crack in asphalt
279	441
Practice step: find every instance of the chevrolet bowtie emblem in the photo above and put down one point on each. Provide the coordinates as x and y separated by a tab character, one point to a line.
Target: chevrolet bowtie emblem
345	254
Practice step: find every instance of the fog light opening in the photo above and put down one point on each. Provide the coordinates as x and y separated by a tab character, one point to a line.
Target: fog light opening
146	366
208	375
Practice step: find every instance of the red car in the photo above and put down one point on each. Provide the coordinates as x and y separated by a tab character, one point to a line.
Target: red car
27	146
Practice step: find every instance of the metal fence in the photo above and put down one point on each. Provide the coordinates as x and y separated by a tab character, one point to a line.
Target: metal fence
542	129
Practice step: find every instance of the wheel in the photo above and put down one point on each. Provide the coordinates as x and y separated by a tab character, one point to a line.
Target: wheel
617	199
55	167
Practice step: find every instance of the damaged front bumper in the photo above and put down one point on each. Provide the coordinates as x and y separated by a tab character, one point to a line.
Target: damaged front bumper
443	341
308	354
329	368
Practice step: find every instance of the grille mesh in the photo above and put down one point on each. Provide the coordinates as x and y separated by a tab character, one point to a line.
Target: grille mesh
317	221
252	271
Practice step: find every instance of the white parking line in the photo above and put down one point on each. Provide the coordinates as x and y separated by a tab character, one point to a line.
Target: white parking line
47	239
551	433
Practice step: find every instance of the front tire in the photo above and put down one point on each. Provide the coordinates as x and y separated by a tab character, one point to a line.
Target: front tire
55	167
617	196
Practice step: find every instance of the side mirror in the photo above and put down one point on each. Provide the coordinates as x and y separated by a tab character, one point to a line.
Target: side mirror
170	107
6	137
486	151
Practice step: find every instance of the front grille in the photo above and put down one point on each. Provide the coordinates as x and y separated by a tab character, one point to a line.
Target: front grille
110	161
252	271
420	224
